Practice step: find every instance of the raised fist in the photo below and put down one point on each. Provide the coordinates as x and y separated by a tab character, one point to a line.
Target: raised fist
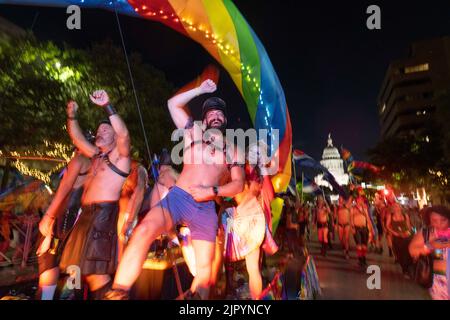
72	108
100	98
208	86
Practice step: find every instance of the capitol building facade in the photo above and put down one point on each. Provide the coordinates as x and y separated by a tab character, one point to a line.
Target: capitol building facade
331	159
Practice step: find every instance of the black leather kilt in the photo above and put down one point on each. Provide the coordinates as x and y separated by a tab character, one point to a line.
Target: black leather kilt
92	244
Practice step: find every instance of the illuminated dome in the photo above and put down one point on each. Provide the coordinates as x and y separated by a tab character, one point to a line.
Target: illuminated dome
331	159
330	152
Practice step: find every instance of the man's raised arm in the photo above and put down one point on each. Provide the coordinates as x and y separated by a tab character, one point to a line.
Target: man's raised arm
101	98
76	134
177	105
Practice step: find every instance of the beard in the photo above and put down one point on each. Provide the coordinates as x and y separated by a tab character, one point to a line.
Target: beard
101	141
217	124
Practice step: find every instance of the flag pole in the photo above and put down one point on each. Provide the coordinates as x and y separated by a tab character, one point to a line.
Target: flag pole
295	173
303	179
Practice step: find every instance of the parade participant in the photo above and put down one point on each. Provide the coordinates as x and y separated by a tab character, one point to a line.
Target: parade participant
58	221
399	226
375	244
373	241
191	200
130	202
323	213
245	227
343	219
331	227
389	199
302	212
434	240
379	207
292	228
361	228
92	244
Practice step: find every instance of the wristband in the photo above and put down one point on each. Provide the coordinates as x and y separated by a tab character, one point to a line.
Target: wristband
110	110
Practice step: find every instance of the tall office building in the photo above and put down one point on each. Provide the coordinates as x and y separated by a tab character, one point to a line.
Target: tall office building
412	86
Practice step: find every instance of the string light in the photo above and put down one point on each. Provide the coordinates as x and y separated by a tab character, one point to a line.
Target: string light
58	152
440	176
228	50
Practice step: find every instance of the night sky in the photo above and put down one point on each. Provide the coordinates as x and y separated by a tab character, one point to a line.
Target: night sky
329	64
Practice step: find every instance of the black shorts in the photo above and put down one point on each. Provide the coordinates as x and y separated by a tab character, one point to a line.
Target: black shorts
92	244
361	235
322	225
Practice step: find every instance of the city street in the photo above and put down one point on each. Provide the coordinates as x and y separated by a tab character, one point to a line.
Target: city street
342	279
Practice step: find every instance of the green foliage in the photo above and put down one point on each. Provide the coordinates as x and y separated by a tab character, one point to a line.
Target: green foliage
420	160
38	78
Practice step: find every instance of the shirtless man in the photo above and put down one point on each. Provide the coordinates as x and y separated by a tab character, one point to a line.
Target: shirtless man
381	213
361	228
343	219
323	213
92	244
191	200
58	221
130	202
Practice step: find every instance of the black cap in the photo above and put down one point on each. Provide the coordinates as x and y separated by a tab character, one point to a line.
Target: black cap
214	103
104	121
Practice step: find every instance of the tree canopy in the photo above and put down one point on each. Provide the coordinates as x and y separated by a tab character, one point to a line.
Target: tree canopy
421	159
37	78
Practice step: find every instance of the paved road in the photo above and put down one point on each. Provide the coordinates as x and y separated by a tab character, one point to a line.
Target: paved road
342	279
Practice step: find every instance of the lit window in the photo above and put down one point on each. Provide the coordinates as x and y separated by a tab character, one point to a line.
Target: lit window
417	68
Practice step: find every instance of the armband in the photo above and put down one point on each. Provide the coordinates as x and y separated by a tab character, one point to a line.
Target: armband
110	110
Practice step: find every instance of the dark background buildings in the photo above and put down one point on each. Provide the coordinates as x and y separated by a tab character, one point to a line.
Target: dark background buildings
413	86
